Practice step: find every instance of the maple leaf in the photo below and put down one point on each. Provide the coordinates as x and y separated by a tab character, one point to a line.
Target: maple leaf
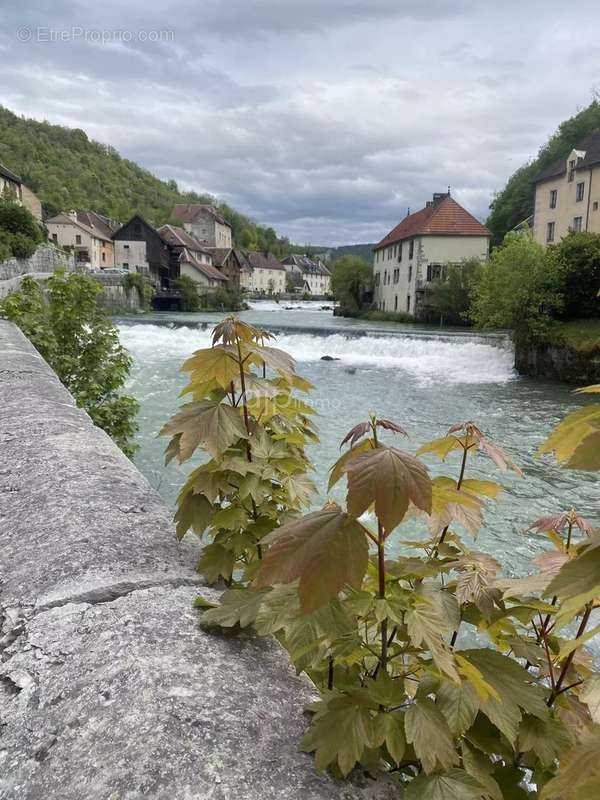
576	440
391	479
215	426
326	550
558	522
428	732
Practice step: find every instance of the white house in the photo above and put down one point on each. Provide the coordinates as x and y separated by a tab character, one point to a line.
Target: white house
419	248
316	278
88	234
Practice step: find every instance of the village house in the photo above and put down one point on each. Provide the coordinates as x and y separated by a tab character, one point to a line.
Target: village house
226	260
188	257
567	193
140	248
88	234
420	248
245	271
12	184
204	223
315	277
268	274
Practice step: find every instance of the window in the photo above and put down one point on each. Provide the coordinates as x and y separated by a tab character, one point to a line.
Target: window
577	224
77	239
377	257
103	256
550	232
409	273
395	250
125	265
385	276
434	271
571	170
411	248
400	252
55	237
553	194
579	192
396	275
595	205
396	303
408	303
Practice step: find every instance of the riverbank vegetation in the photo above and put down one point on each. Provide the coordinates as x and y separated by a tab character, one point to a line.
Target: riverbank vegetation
220	299
20	233
378	600
62	319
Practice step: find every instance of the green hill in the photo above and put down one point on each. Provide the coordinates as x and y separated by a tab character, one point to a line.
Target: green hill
68	170
363	250
515	202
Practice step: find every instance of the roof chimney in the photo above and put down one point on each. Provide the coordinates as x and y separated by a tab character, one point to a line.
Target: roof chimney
438	197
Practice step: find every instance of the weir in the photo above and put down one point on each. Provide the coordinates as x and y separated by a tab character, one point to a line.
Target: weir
108	687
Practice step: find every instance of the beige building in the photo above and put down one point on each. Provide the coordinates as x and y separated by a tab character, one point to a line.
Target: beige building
88	234
419	249
190	258
261	272
314	275
567	194
12	184
204	223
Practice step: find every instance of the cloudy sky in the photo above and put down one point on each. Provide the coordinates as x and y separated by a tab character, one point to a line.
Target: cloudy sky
326	119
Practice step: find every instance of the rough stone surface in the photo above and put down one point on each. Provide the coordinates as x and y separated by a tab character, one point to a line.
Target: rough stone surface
557	363
42	263
109	690
114	296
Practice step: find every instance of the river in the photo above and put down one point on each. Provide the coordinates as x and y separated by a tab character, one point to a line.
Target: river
425	379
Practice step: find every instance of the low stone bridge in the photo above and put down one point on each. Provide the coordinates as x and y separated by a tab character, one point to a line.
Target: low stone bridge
109	690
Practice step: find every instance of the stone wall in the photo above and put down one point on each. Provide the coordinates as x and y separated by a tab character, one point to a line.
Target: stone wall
557	363
109	690
42	263
115	297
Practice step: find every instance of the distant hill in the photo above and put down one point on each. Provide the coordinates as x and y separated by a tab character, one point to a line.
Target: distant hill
362	250
67	170
515	202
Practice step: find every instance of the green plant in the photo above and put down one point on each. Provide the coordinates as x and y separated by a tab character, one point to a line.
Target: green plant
245	415
223	299
19	232
388	639
451	296
188	290
576	260
63	321
351	280
143	287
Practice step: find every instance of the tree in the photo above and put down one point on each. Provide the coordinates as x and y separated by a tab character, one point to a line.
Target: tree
65	323
520	288
352	278
188	290
20	234
451	296
577	261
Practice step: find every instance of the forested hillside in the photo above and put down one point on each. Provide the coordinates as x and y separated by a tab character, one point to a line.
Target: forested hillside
362	250
515	202
68	170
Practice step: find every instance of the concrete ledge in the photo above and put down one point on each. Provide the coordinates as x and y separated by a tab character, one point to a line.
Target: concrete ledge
108	688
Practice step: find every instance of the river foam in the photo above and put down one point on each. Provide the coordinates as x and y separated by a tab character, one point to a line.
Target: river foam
428	359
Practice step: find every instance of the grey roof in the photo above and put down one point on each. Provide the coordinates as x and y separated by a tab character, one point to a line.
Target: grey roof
306	264
590	146
178	237
7	173
211	272
65	219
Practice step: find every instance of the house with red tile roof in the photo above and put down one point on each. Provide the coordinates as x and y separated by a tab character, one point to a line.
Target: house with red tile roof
420	248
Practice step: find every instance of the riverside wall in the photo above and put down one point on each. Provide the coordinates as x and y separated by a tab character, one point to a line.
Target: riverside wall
109	690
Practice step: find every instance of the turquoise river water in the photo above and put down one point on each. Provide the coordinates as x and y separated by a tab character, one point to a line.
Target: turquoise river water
425	379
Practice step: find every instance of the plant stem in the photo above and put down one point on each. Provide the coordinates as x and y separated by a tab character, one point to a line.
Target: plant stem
569	659
381	576
466	448
330	674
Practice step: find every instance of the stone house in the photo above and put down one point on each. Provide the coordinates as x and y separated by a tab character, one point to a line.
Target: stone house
204	223
567	193
315	277
420	248
12	183
87	234
189	257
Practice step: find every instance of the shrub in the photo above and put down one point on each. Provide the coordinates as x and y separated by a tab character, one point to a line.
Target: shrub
576	259
188	289
20	233
75	336
351	281
450	297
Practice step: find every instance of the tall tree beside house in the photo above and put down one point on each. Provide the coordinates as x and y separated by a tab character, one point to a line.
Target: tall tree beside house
20	233
450	296
351	280
514	203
